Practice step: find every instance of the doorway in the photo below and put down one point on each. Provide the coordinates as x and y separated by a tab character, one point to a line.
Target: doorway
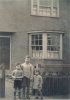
5	51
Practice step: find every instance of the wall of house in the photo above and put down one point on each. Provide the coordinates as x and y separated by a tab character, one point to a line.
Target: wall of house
16	17
7	17
26	23
67	38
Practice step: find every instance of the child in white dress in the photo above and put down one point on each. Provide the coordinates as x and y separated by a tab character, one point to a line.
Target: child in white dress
37	84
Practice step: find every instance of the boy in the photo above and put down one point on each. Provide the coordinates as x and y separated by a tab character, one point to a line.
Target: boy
17	76
27	69
37	84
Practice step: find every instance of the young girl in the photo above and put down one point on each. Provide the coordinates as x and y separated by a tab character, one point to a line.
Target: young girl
17	76
37	84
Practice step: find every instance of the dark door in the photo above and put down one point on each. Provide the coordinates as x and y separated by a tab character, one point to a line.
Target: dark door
5	51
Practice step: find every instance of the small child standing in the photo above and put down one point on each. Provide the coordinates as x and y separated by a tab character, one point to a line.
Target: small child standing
37	85
17	76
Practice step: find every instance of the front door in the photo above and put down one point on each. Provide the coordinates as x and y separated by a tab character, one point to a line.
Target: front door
5	51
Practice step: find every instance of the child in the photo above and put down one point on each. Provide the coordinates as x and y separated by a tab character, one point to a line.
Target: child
36	68
27	69
17	76
37	84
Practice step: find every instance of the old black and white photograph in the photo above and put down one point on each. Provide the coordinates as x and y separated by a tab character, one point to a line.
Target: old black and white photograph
34	49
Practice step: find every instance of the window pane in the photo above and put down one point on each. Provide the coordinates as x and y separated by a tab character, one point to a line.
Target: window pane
49	48
40	42
45	8
54	11
53	41
49	42
34	11
54	3
33	48
40	36
32	37
34	2
52	48
32	43
41	10
37	47
36	42
48	11
45	3
40	48
36	36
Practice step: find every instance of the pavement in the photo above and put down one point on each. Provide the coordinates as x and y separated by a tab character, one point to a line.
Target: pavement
9	93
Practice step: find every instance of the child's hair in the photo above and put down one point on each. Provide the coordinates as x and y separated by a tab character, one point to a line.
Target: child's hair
27	56
34	66
17	64
38	72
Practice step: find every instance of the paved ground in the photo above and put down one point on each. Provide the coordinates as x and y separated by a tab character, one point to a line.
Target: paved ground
9	93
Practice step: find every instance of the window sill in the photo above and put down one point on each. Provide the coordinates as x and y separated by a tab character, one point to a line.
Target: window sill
54	59
46	59
45	16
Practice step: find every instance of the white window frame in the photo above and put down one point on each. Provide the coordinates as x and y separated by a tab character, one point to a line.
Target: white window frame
30	50
51	14
44	50
54	46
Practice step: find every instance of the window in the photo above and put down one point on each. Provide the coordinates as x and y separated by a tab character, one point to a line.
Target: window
36	45
45	45
53	45
45	7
